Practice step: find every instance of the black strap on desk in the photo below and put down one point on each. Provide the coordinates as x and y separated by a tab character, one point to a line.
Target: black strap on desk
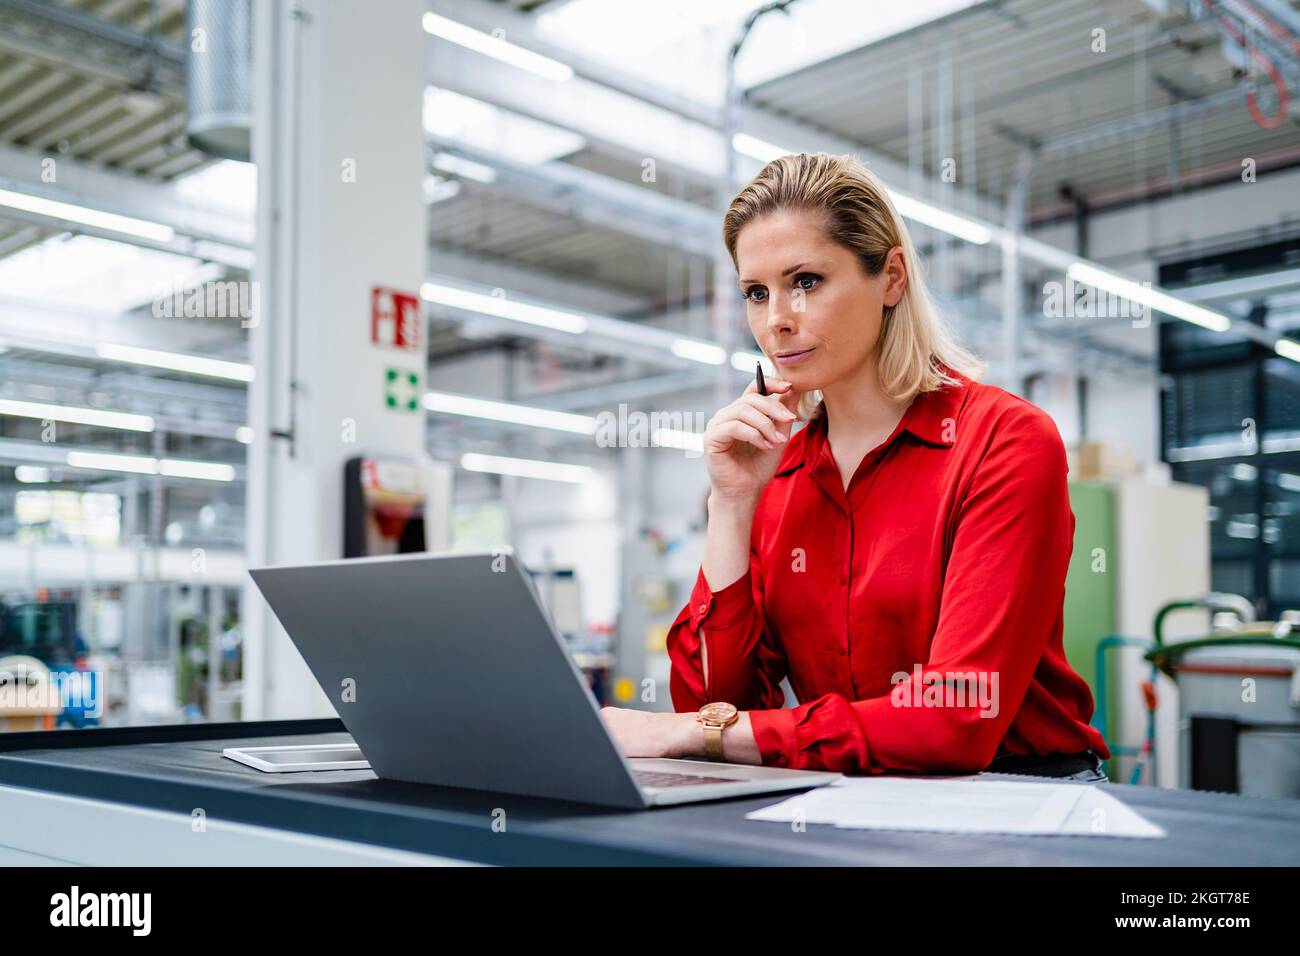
1045	765
166	733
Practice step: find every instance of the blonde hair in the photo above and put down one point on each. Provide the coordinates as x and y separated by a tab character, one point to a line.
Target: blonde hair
915	341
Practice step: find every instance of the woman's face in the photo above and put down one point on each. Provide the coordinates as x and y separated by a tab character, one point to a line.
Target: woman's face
810	303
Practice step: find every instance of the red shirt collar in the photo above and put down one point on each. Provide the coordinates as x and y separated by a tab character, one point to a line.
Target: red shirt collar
930	418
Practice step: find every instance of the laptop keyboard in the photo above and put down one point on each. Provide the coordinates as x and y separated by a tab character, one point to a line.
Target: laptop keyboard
655	778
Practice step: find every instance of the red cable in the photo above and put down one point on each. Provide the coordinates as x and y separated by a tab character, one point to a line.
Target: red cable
1275	29
1283	101
1252	101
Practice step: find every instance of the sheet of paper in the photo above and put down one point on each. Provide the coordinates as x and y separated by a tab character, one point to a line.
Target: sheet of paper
962	805
1099	813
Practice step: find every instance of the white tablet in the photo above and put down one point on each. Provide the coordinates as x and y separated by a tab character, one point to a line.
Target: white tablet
300	757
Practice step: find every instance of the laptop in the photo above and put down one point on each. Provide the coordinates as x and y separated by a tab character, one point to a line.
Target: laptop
455	676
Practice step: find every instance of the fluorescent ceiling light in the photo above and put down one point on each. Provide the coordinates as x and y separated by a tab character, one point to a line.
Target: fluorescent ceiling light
497	48
490	129
439	188
758	149
1148	296
206	470
908	207
32	474
146	465
676	438
1210	451
467	168
698	351
1287	348
938	218
176	362
105	461
244	435
503	308
1271	446
77	415
450	404
1242	529
643	342
745	362
545	418
70	212
526	468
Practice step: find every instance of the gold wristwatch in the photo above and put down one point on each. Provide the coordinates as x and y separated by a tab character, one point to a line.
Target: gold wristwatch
715	718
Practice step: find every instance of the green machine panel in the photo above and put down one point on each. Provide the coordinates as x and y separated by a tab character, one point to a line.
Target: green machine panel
1090	582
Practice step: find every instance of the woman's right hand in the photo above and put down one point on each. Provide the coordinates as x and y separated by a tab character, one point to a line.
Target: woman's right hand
744	441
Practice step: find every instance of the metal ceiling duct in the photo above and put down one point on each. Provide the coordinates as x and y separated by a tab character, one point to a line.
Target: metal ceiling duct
219	77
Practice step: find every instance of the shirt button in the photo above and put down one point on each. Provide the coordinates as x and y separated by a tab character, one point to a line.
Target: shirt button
704	608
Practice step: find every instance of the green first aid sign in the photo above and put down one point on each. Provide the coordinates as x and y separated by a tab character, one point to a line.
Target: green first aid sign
402	389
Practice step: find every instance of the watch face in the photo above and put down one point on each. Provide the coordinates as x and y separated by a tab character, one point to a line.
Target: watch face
718	713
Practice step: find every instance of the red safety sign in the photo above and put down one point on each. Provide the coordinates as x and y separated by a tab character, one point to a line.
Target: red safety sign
395	318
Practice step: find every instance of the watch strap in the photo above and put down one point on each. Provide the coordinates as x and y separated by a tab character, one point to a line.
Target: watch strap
713	742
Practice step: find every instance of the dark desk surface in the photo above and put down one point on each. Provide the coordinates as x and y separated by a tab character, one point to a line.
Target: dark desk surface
180	768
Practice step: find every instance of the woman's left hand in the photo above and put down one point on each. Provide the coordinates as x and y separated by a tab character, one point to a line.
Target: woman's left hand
640	733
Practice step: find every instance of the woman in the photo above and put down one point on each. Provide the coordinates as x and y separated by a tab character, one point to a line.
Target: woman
902	558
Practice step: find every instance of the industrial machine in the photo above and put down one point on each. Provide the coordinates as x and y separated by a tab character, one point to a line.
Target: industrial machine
1239	698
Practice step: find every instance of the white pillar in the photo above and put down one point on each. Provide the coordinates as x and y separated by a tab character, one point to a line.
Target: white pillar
339	145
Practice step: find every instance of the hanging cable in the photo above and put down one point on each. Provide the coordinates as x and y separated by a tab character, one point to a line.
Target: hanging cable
1252	98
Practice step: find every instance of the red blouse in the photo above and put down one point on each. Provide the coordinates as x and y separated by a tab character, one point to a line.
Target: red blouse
918	616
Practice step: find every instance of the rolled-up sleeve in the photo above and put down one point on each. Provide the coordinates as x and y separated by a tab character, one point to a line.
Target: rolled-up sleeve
744	667
1001	600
